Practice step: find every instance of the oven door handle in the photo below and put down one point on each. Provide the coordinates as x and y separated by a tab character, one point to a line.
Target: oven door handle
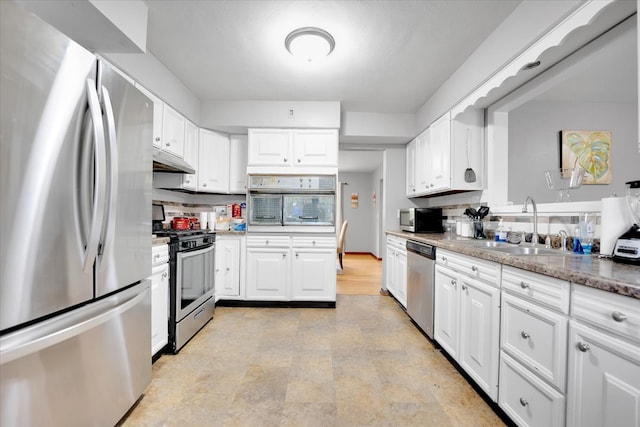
189	254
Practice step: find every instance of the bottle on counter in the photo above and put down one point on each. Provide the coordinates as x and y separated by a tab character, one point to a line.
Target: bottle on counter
501	233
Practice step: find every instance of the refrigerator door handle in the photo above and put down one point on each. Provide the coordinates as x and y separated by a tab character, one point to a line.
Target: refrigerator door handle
64	330
109	234
100	177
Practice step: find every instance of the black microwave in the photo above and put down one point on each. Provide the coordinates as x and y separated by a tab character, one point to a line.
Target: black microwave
421	220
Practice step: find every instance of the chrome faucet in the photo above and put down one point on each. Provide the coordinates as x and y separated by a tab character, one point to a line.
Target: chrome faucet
563	236
534	238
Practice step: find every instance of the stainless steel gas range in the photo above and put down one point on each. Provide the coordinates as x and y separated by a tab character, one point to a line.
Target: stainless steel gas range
191	284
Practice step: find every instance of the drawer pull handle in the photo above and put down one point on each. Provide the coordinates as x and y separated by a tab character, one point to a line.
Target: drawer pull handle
584	347
474	268
524	285
525	335
444	258
618	317
523	401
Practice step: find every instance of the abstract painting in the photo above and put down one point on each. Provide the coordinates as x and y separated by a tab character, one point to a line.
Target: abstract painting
590	149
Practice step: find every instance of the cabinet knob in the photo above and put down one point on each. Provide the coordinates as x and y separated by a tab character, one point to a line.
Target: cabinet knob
524	285
284	256
414	190
525	334
168	144
474	268
157	138
267	242
228	269
618	317
285	160
165	274
583	347
313	242
444	258
431	185
523	401
464	287
156	256
217	270
187	180
204	184
453	282
298	160
297	255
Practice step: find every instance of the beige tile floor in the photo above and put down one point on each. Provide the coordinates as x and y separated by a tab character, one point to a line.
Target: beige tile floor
362	363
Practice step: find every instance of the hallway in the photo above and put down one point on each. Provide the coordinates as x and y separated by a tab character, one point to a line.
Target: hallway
362	363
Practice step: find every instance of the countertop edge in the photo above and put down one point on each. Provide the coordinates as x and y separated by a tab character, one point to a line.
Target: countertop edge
579	269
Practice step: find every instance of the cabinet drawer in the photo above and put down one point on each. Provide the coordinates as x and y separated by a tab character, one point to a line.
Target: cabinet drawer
159	254
527	399
268	241
615	313
396	242
548	291
536	337
314	242
470	266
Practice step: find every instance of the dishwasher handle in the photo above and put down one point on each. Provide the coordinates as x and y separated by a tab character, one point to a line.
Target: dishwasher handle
424	250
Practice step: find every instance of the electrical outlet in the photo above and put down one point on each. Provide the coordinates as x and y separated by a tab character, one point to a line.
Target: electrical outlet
292	113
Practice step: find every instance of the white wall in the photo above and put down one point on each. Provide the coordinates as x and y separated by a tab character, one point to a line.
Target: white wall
154	76
534	146
377	127
360	236
525	25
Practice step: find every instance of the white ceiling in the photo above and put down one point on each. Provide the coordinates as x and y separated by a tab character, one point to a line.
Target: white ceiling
390	56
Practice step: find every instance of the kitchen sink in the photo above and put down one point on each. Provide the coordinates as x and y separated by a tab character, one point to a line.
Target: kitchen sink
513	249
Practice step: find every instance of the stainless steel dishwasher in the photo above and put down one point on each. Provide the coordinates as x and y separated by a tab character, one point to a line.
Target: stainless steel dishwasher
420	277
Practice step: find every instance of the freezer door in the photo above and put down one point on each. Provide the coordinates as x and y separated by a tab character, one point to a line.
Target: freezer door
125	249
44	80
86	367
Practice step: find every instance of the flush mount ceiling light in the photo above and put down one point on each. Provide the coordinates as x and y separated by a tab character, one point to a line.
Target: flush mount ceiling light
309	43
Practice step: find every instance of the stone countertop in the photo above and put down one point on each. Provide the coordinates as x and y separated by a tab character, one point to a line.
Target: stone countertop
157	241
587	270
230	233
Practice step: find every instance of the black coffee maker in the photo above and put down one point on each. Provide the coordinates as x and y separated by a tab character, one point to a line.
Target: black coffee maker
157	217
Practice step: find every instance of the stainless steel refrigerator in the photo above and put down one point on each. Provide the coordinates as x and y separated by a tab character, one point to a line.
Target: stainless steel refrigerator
75	231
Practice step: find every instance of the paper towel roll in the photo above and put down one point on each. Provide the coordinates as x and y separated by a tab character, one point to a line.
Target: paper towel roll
203	220
615	220
211	218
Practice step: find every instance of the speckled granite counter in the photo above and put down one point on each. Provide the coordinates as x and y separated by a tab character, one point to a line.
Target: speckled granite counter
155	240
230	233
585	270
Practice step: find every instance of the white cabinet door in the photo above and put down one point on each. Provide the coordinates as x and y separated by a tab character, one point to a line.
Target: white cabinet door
315	147
191	138
440	154
390	268
238	152
446	310
267	274
411	161
604	379
173	125
158	107
159	307
423	168
227	267
313	275
270	147
400	281
479	333
213	162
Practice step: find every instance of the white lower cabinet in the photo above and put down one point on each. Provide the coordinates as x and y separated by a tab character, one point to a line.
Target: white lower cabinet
396	268
280	268
229	262
526	399
467	315
604	360
159	298
533	342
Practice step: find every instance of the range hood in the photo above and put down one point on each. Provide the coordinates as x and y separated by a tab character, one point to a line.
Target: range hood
165	162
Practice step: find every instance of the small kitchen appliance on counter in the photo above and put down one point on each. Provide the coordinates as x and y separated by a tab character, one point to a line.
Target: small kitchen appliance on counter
627	249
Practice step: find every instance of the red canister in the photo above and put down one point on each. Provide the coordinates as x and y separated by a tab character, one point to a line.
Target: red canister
236	212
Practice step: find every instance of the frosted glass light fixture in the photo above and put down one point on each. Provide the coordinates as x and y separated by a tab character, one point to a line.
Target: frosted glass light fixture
309	43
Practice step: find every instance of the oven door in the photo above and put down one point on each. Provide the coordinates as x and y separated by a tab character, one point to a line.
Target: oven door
309	209
265	209
194	281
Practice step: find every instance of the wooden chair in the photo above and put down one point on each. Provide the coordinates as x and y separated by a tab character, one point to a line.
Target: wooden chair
341	240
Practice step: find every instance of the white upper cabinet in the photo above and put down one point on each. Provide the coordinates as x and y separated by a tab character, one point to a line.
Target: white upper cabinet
238	149
449	156
158	107
191	138
213	162
411	168
298	148
173	124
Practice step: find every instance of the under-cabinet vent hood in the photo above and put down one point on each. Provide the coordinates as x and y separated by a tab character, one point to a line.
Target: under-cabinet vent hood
165	162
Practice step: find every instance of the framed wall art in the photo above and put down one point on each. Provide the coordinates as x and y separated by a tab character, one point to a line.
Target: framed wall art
591	150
